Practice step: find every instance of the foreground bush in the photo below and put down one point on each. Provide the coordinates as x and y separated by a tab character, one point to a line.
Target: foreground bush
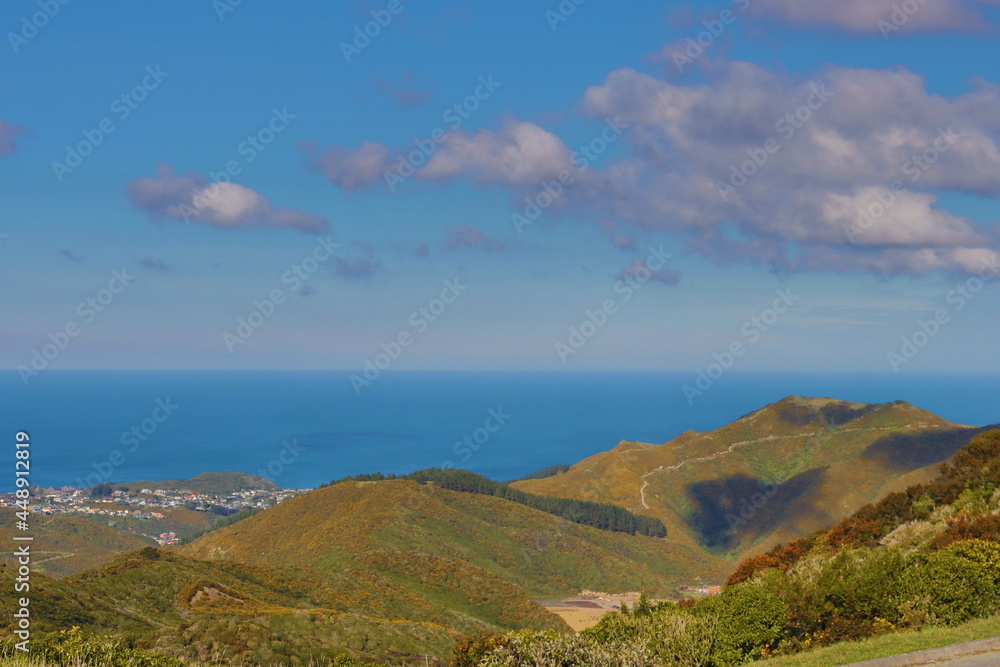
71	648
823	599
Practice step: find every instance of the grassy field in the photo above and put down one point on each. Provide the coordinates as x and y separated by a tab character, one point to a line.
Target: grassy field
887	645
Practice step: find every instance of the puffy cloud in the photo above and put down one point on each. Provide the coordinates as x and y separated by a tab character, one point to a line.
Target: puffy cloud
519	154
467	236
753	165
350	169
193	198
863	16
907	218
8	137
836	146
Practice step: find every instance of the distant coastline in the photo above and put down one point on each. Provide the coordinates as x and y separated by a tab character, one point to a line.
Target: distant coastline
301	429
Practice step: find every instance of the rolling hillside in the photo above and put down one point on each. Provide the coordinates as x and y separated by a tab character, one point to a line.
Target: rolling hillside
200	610
382	570
399	527
775	474
916	560
64	545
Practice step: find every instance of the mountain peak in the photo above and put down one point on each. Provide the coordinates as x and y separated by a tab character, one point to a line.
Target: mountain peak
803	410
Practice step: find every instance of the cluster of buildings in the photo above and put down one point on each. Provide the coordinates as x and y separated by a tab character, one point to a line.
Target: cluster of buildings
163	539
701	590
146	503
72	500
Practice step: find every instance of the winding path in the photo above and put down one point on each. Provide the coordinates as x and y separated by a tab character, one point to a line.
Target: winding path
736	445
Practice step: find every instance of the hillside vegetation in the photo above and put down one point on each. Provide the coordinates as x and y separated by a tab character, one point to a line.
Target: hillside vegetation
342	525
776	474
599	515
928	556
198	611
376	570
64	545
393	569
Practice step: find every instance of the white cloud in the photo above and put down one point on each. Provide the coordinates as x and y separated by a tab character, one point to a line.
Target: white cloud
193	198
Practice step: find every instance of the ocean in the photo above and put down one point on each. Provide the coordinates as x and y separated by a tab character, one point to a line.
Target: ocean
301	429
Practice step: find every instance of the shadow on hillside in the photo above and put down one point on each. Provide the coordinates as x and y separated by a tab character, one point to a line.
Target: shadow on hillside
835	414
905	452
740	508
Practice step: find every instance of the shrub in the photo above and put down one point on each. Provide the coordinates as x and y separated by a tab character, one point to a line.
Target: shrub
950	588
71	648
751	622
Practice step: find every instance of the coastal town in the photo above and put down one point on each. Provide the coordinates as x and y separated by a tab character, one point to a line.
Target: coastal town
152	507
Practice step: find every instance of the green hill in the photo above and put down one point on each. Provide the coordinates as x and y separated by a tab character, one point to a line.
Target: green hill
927	556
392	569
201	611
400	523
381	570
775	474
64	545
209	483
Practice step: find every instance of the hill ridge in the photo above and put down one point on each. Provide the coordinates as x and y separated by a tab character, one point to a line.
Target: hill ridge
767	447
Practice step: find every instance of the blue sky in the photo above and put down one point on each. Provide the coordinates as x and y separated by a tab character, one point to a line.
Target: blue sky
200	78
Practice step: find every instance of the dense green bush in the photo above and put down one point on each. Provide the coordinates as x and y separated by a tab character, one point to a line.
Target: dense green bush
827	597
751	622
951	589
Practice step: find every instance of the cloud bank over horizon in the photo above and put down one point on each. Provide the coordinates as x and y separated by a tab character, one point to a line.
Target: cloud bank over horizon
754	165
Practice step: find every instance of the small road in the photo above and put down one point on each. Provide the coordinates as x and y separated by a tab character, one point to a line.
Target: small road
979	653
743	443
991	659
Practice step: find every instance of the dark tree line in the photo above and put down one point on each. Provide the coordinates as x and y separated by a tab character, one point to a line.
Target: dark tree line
597	515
